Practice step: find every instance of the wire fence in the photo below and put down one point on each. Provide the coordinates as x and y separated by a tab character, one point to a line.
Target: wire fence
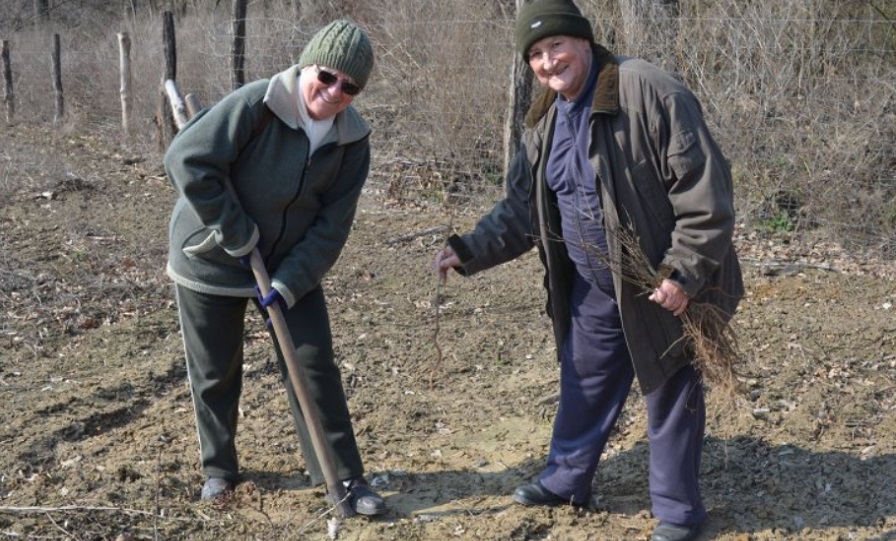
805	108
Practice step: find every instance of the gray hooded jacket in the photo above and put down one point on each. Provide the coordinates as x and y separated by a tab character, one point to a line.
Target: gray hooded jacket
297	207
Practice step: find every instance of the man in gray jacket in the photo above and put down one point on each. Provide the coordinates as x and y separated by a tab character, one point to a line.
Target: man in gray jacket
614	145
295	154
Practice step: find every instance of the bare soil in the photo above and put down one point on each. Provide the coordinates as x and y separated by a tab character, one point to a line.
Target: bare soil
452	412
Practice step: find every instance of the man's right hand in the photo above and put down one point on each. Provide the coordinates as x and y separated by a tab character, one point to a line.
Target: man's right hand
446	260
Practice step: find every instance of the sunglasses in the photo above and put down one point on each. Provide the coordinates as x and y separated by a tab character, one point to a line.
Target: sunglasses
329	78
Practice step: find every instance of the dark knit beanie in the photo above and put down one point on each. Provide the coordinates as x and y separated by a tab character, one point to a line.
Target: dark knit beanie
343	46
539	19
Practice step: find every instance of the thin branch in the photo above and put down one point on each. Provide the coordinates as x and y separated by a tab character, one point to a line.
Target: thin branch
73	508
411	236
38	510
708	331
880	11
789	265
60	528
324	513
437	301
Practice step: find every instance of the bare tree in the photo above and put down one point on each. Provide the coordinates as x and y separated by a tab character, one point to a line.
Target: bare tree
520	99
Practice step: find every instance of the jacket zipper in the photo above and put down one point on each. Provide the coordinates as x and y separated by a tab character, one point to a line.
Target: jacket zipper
295	198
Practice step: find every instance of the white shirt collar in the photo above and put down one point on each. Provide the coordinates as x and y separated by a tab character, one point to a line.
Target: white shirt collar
314	129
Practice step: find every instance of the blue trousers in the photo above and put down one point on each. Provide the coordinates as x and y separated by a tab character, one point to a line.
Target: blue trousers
596	375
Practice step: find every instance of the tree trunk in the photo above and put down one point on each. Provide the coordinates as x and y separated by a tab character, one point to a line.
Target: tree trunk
520	97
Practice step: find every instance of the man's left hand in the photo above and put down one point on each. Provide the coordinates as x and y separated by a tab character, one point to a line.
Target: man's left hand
671	297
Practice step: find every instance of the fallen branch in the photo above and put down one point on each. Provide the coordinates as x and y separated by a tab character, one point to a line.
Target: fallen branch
411	236
787	267
37	510
74	508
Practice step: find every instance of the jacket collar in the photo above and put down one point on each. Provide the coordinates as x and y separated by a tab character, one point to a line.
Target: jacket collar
606	95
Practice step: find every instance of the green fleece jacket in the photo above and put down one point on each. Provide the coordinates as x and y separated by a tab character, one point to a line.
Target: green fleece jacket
297	208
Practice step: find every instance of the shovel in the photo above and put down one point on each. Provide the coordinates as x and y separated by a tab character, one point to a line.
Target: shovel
309	409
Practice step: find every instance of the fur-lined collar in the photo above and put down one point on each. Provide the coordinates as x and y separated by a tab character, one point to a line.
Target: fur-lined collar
606	95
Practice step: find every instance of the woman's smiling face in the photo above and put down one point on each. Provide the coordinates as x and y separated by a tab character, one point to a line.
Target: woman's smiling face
324	100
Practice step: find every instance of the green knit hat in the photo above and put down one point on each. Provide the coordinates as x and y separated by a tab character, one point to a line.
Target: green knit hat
343	46
539	19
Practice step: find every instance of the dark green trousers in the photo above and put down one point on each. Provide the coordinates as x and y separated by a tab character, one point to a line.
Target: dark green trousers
213	333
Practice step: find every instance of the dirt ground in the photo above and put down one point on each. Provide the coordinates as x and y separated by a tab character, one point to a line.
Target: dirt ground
451	412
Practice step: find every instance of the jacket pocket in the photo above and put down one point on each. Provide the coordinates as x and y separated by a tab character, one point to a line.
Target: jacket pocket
206	249
653	195
685	155
205	245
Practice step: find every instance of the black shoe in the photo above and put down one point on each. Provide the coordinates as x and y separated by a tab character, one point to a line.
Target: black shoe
536	494
666	531
363	499
215	487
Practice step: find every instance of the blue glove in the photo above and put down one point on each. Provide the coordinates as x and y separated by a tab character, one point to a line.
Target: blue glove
265	301
272	297
246	260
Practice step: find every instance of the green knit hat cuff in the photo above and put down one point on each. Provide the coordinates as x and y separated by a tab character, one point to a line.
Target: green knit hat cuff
539	19
343	46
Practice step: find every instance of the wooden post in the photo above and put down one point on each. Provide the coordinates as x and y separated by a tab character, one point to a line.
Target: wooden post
169	42
8	98
164	119
238	47
57	80
520	99
178	105
193	104
124	62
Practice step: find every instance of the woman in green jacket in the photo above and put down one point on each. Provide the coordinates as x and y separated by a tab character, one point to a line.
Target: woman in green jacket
276	165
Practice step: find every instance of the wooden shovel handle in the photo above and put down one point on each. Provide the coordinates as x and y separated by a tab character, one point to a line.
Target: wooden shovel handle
309	409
